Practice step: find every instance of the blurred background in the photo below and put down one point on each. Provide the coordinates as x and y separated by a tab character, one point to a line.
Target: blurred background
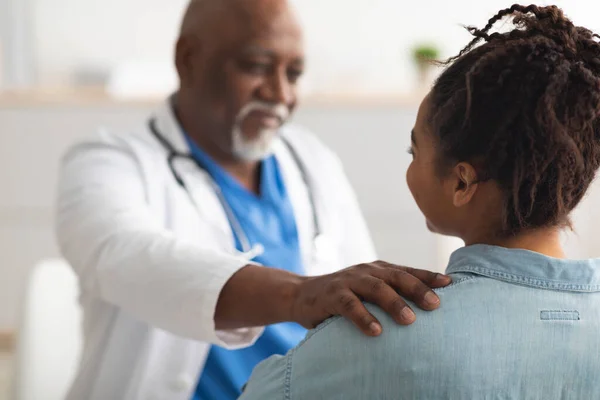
68	67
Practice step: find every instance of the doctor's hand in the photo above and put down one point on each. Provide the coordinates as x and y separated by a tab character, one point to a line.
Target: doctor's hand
381	283
259	296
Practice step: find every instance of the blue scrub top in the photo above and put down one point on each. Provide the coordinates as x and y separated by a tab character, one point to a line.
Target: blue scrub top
267	219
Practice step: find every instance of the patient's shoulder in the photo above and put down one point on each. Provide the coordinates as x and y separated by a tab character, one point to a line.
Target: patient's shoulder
338	343
336	360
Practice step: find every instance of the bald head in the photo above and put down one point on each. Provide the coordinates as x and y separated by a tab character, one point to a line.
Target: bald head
202	13
202	17
230	55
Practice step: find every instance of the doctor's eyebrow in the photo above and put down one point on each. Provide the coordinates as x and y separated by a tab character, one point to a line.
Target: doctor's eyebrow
254	50
258	51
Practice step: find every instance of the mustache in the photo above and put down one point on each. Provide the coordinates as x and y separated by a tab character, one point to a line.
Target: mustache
280	111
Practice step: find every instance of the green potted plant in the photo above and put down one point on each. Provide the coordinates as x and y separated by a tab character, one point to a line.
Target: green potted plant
424	56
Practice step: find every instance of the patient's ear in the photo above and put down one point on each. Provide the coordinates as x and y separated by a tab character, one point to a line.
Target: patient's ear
466	184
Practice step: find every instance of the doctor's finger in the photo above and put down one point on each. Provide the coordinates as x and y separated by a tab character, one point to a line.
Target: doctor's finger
432	279
348	305
410	286
377	291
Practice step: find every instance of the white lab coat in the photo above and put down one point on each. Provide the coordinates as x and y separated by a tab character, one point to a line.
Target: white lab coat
151	266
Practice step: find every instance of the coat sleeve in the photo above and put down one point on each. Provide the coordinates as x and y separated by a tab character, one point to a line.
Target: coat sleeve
123	255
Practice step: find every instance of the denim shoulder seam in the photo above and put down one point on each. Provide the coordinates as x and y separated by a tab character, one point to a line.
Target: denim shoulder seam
527	280
287	388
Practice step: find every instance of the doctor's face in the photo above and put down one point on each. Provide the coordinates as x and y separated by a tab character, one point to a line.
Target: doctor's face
247	87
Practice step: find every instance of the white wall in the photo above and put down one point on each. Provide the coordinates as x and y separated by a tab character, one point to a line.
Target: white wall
352	44
17	66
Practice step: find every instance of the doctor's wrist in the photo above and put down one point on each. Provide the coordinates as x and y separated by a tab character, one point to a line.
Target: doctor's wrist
258	296
289	299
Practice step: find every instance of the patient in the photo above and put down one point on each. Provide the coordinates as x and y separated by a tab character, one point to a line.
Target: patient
504	147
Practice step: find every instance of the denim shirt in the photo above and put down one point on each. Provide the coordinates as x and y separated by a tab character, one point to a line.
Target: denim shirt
513	325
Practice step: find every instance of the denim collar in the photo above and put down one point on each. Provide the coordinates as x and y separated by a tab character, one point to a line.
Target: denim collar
527	268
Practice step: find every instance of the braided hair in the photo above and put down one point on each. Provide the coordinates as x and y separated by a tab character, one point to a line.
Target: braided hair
523	108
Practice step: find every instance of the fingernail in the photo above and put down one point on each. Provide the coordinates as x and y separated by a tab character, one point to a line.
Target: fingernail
442	277
407	314
431	298
375	328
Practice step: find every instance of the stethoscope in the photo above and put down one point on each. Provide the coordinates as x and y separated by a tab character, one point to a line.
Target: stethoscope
249	250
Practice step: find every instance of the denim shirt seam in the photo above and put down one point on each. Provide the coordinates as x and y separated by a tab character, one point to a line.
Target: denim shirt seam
528	280
287	388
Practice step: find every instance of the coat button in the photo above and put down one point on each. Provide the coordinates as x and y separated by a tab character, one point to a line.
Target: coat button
183	383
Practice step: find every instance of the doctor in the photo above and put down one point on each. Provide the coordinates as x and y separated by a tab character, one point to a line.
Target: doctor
202	226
